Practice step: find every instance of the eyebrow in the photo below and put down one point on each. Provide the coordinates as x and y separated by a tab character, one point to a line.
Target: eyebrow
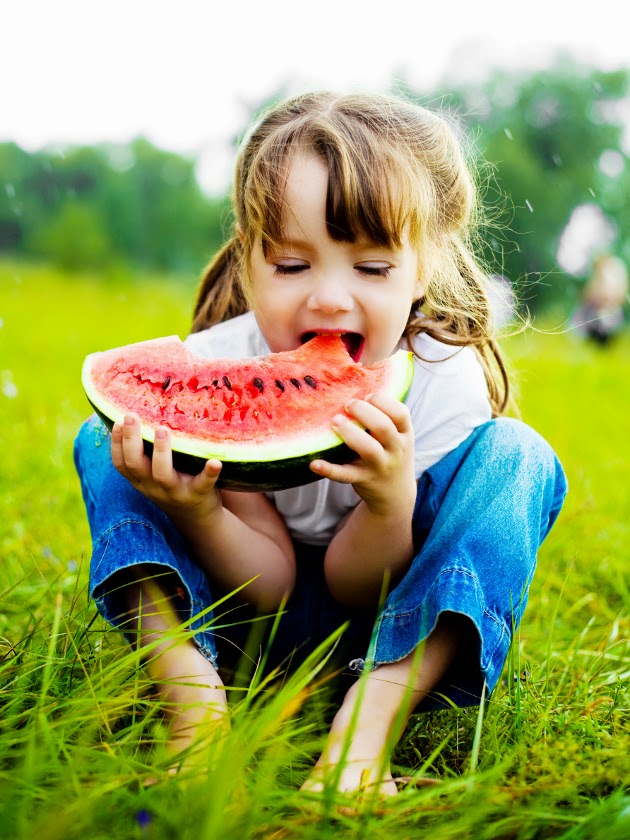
305	245
299	244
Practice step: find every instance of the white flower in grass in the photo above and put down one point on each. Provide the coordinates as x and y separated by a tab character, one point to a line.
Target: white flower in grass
8	386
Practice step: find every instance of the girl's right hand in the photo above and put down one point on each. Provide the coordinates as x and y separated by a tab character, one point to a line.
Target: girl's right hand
177	494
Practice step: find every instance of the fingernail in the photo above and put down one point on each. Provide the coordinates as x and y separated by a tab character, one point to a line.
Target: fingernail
160	434
337	420
128	420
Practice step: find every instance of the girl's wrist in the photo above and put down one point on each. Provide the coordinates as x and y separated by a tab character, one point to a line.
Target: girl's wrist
398	508
194	517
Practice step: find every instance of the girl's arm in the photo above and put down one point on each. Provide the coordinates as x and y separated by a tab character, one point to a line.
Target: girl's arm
244	538
234	537
374	544
369	552
270	546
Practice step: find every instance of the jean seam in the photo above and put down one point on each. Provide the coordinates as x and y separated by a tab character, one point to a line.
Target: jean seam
484	662
501	626
155	531
86	489
100	600
129	521
450	569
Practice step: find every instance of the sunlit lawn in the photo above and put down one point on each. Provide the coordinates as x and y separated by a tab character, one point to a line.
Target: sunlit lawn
76	728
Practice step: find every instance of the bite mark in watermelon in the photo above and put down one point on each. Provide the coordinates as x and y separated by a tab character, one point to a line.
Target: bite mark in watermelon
265	418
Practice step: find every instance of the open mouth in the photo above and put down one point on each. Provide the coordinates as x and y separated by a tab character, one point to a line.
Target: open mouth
353	342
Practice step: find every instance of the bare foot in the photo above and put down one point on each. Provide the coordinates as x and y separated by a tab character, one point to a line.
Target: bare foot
375	711
189	686
198	713
194	697
356	753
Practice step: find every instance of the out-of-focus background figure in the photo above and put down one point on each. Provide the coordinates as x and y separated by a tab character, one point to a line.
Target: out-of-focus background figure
502	300
601	314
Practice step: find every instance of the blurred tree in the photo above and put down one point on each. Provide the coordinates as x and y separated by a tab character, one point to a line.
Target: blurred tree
540	141
546	143
547	147
158	212
134	203
18	205
74	238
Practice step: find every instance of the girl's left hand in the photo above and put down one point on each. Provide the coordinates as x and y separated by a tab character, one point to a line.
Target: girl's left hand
383	475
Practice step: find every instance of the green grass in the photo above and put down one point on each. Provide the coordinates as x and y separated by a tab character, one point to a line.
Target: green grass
548	757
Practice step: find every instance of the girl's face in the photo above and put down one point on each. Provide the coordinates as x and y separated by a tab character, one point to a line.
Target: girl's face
312	284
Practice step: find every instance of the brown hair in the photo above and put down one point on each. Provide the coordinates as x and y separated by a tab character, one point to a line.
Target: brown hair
393	166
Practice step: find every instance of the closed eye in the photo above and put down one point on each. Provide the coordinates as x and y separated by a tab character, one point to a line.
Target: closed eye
370	270
374	270
289	268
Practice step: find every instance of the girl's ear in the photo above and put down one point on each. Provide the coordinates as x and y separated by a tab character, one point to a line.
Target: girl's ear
241	234
419	291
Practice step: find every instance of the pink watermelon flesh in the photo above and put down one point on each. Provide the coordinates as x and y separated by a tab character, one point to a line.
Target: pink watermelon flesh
253	412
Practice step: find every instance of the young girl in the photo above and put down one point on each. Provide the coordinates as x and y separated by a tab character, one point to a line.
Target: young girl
353	216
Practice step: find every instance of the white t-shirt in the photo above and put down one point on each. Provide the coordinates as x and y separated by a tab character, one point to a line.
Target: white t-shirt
447	400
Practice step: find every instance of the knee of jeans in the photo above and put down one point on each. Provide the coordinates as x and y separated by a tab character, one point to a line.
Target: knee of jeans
91	454
91	437
525	451
515	441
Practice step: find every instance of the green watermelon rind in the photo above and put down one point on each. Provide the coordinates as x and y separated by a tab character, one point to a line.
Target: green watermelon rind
256	466
254	476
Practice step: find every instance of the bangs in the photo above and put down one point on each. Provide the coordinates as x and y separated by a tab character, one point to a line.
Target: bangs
369	196
365	202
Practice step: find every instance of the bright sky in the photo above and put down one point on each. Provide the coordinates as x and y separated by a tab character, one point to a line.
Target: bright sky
184	73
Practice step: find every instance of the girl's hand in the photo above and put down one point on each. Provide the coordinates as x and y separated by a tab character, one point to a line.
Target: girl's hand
383	475
177	494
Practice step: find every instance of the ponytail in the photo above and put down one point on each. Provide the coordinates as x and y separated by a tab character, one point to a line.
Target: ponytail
220	294
456	311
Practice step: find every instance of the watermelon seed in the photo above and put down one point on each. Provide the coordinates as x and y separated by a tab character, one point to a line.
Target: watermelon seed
216	383
310	381
279	384
258	383
167	382
226	382
295	382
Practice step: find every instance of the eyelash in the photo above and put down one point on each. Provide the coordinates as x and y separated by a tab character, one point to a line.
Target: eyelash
375	271
289	269
369	270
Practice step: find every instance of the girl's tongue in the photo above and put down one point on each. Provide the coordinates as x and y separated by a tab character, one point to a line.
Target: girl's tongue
353	342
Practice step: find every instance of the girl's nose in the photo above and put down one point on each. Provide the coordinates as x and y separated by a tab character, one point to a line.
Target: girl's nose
330	295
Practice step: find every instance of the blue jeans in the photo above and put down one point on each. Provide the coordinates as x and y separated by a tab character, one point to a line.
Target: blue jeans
481	513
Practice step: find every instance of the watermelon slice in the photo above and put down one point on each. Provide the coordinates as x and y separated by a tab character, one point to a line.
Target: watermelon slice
266	418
